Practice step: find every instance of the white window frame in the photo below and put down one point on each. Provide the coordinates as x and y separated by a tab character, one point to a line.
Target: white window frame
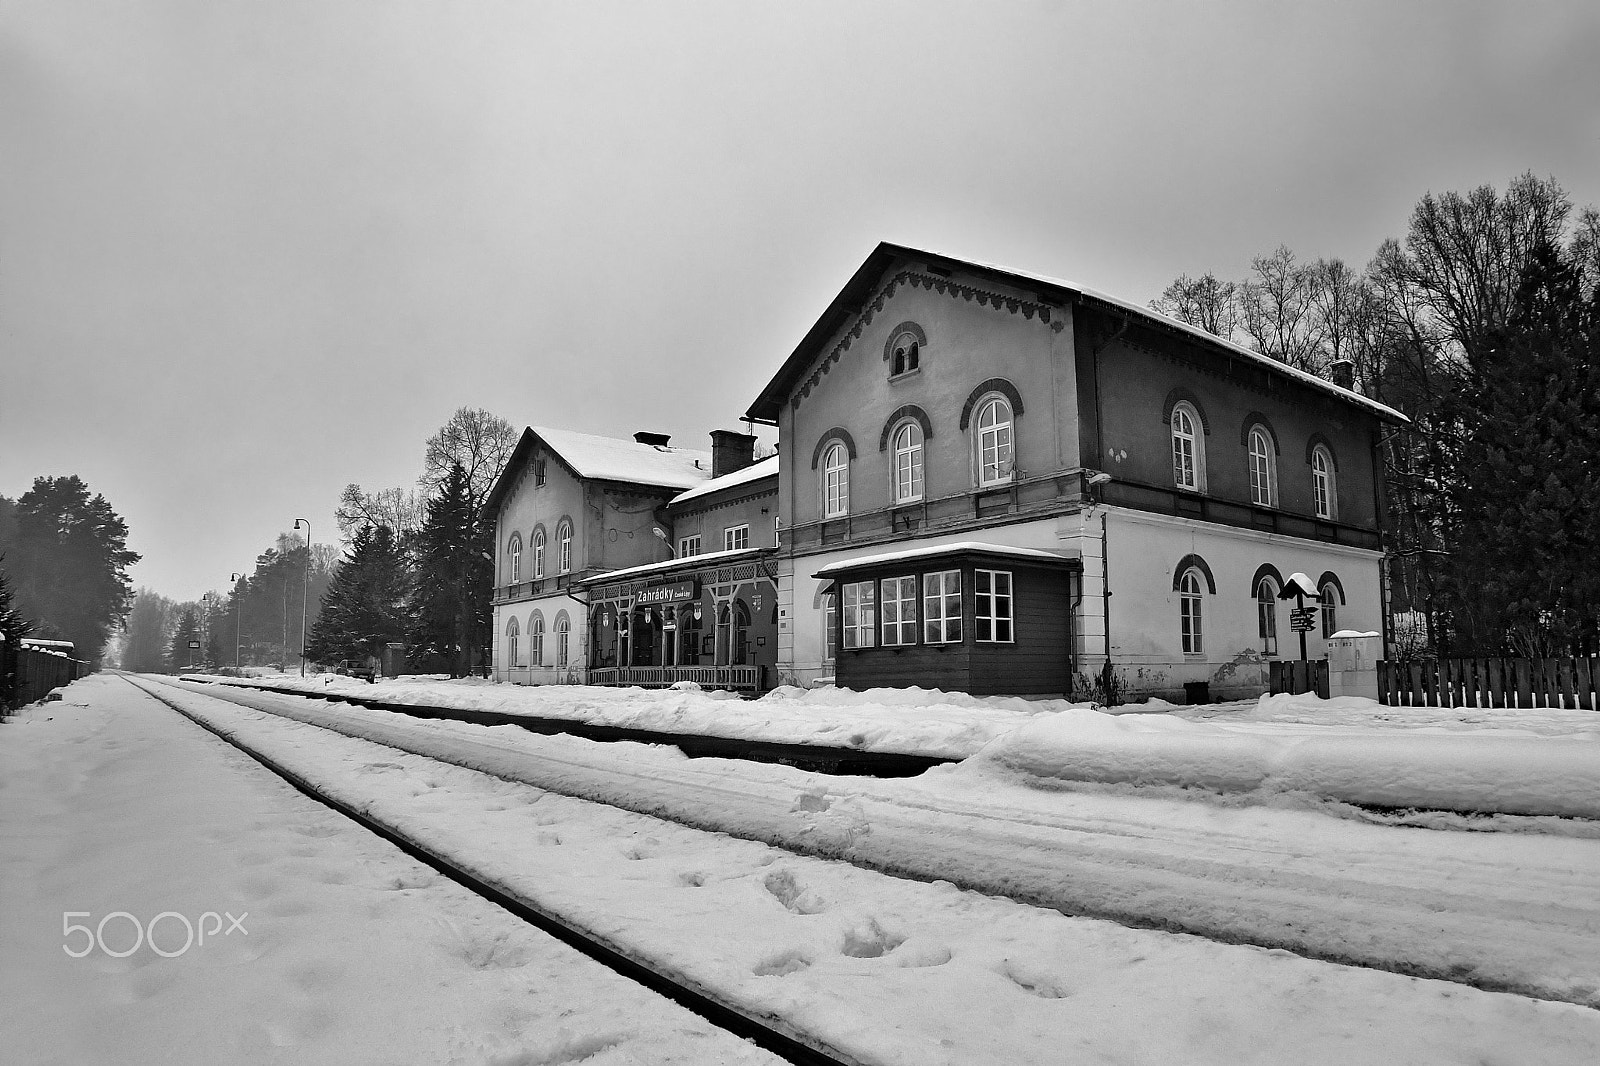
908	467
859	607
538	555
688	546
830	619
941	607
1324	484
516	558
1328	614
1188	442
564	547
1263	475
836	481
998	438
1267	616
736	538
536	639
993	607
512	627
897	599
562	630
1191	613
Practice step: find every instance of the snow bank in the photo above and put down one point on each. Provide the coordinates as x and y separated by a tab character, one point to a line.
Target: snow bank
1507	774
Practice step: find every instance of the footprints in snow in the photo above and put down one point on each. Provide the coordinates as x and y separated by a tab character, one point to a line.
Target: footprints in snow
787	891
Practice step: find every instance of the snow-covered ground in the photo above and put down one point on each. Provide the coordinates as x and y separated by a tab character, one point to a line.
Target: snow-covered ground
901	971
350	952
1353	751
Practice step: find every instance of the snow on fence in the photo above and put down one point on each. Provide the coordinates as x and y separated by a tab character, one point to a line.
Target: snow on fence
33	672
1569	683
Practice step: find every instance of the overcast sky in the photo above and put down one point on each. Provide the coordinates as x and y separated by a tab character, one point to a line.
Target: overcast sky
253	251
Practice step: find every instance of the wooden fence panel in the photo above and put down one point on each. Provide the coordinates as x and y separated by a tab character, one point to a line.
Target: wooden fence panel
1497	683
1524	683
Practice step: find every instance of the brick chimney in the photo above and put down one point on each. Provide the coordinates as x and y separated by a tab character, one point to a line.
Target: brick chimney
1343	373
655	440
731	451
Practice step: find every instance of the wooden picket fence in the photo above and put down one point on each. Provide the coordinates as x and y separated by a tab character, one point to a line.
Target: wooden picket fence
1294	676
1569	683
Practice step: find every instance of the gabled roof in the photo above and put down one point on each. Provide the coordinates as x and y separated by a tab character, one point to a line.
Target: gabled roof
764	468
859	289
596	458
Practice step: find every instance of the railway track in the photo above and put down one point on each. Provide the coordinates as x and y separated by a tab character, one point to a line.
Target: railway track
815	758
767	1033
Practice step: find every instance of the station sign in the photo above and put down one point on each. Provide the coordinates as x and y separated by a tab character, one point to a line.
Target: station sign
194	645
673	592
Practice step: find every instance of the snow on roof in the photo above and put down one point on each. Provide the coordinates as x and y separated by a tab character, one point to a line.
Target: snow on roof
767	467
686	561
610	459
942	549
1148	312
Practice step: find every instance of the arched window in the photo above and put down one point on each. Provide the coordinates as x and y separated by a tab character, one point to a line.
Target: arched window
538	555
1267	615
516	557
1188	448
908	462
562	630
564	547
511	642
905	353
536	639
1324	490
830	625
993	441
836	481
1328	599
1189	610
1263	472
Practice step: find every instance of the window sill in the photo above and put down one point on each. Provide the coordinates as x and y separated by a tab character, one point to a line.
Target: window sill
897	378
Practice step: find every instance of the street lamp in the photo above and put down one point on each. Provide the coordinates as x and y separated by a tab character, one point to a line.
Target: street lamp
236	605
305	578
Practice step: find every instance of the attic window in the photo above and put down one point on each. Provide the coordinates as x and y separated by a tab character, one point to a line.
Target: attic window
903	353
538	471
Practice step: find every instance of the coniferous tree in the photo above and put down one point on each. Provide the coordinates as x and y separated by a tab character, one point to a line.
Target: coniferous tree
1522	515
180	656
13	627
69	562
145	647
454	577
366	603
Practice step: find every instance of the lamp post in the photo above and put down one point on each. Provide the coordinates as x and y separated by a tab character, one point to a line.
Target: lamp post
236	605
305	580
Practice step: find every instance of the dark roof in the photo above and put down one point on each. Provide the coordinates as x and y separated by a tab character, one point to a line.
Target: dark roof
863	283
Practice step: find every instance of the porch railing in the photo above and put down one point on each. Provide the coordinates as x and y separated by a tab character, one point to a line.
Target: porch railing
732	678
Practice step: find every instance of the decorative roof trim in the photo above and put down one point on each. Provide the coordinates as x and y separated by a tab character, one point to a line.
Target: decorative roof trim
1000	385
837	433
943	286
1193	562
900	414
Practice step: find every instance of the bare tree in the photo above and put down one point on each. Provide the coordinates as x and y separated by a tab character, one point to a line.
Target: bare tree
401	510
1276	310
480	442
1205	302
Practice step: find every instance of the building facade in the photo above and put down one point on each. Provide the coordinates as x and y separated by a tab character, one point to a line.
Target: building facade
1179	479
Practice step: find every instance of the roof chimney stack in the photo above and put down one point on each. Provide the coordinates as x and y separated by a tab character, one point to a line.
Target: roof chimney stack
731	451
1343	373
655	440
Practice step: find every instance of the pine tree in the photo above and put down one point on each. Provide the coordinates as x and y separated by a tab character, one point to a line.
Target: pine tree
365	606
13	627
454	577
1523	499
180	656
70	563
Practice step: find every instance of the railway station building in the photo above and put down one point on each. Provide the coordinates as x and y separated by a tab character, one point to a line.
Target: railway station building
986	481
1000	482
